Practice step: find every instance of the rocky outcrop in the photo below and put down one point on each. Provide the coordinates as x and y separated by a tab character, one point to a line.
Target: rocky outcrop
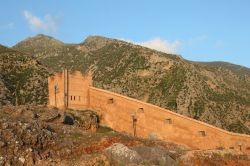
84	119
29	134
122	155
23	136
155	155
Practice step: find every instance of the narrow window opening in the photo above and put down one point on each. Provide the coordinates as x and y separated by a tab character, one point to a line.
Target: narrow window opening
220	147
240	147
168	121
231	147
79	98
202	133
248	148
110	101
74	98
141	110
71	97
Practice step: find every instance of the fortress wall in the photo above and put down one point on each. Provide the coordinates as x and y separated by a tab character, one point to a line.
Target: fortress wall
78	86
56	98
153	121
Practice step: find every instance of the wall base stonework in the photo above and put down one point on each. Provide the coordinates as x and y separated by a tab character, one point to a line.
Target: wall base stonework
145	120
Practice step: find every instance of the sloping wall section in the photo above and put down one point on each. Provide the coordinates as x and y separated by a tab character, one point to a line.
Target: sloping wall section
142	119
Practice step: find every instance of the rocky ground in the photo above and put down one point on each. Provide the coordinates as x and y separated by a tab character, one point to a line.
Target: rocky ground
37	135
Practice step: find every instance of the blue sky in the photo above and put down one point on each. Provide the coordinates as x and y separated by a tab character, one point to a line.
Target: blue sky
199	30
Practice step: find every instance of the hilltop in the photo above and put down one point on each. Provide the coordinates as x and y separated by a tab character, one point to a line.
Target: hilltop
34	45
217	93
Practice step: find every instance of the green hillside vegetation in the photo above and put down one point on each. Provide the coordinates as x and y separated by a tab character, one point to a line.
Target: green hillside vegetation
23	77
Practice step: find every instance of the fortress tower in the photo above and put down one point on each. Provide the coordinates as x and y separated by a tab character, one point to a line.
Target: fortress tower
69	90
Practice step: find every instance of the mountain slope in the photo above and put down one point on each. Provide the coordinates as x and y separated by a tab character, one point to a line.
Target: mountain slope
237	69
209	92
23	79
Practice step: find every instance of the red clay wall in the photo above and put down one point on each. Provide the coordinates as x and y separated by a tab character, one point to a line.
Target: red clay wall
78	90
56	96
116	112
155	121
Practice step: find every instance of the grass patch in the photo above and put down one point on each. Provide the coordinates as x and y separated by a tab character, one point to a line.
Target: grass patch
103	129
76	135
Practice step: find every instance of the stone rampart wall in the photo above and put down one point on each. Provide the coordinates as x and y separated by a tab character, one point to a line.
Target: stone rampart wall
116	111
145	120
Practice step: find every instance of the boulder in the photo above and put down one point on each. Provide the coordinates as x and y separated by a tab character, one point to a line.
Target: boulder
69	120
121	155
155	155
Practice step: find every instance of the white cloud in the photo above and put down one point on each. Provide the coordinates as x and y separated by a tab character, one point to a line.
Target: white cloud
48	23
160	45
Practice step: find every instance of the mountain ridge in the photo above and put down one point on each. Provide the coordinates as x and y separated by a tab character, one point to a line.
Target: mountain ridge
90	38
